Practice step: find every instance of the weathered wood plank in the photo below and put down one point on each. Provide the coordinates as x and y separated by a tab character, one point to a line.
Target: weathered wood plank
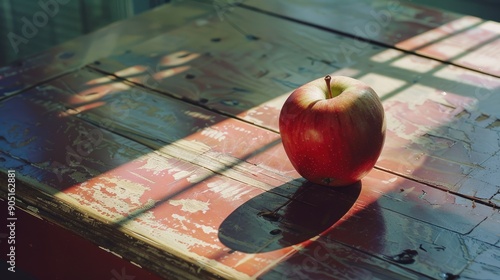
386	22
36	237
161	223
193	188
120	189
192	133
468	42
442	119
419	248
460	39
191	193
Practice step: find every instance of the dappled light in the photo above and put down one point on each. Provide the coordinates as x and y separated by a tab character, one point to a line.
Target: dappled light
440	33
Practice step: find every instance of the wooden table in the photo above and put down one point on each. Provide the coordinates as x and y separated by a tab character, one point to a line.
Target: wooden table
157	140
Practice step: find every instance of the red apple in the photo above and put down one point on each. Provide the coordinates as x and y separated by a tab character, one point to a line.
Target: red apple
333	130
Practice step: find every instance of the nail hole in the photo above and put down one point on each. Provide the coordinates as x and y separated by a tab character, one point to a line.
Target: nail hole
270	216
252	37
406	257
275	231
215	39
189	76
97	62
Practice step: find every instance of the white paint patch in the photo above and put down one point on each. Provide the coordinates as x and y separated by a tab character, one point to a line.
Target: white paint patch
214	133
149	229
228	190
155	163
181	174
114	198
181	219
159	164
191	205
206	229
193	145
194	178
237	128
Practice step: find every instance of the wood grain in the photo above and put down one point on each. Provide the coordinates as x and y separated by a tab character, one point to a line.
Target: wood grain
180	191
447	140
459	39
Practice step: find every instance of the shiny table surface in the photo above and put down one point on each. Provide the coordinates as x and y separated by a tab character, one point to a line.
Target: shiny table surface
157	139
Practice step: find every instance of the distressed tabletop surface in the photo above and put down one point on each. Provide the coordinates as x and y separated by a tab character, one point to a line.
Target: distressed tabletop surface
157	139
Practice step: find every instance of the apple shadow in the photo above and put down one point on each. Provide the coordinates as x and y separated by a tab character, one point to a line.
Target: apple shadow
272	221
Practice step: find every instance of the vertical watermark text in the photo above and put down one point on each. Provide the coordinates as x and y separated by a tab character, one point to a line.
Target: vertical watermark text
11	220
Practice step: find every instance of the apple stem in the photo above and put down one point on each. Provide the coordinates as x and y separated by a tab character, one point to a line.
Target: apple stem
327	80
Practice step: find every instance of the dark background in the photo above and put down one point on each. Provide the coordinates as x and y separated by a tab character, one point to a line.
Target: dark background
74	18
